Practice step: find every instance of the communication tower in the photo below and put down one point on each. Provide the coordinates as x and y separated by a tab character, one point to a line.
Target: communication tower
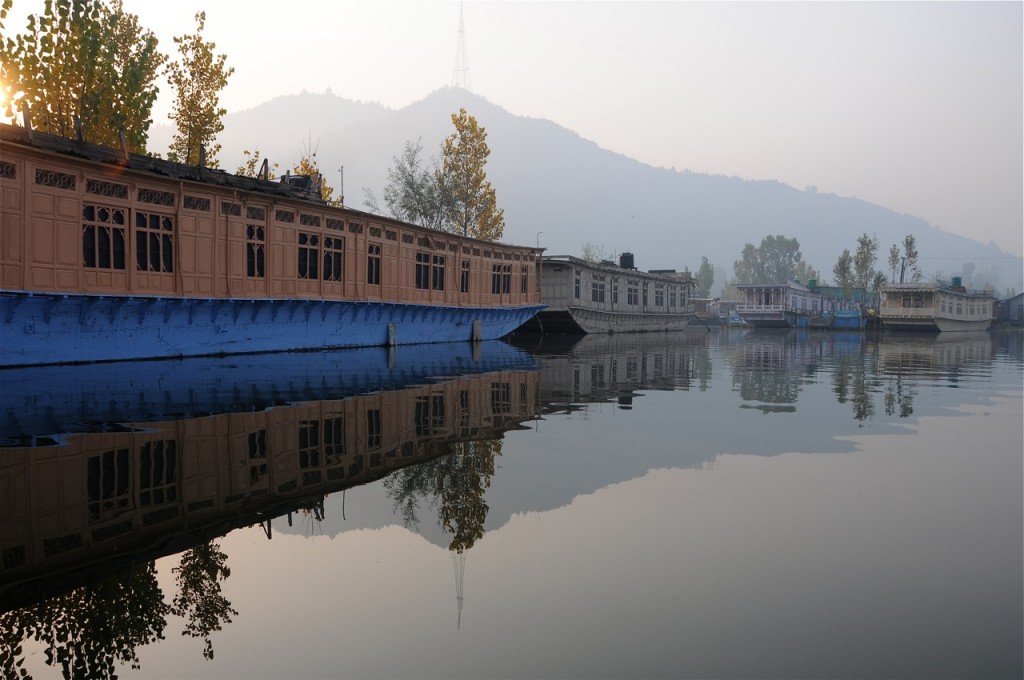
460	74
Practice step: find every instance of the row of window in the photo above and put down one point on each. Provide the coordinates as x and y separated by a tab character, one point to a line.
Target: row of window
599	284
104	243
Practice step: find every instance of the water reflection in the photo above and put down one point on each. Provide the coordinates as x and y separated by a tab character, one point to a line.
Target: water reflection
618	495
84	521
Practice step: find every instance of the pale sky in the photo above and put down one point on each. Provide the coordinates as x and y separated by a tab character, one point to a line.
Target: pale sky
918	106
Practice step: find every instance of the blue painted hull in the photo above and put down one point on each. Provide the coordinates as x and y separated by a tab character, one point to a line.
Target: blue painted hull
848	321
51	401
40	329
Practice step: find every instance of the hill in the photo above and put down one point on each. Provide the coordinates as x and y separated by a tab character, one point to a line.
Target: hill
561	191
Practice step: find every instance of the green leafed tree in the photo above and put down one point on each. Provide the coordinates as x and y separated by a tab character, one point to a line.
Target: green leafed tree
843	271
198	76
776	260
472	208
894	261
412	193
705	278
84	60
864	261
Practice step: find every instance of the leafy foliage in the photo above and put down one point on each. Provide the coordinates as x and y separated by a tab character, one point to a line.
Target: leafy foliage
84	60
472	207
412	193
198	77
199	600
905	263
776	260
455	484
705	278
90	630
864	261
253	165
843	271
308	166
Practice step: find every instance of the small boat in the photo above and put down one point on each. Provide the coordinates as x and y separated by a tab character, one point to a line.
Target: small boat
935	307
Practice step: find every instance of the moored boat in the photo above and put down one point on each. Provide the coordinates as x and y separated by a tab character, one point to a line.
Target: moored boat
935	307
604	297
780	305
107	255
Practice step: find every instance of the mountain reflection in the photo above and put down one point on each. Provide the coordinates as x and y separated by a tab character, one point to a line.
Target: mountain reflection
83	522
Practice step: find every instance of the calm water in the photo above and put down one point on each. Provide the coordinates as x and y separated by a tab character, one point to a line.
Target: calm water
727	504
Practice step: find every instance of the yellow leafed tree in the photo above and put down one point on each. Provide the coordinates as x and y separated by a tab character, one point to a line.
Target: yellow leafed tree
198	77
472	205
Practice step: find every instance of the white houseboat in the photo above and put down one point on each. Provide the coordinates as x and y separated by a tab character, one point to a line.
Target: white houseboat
935	307
602	297
779	305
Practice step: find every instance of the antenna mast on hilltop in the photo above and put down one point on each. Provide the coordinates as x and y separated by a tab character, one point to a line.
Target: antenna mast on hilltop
460	74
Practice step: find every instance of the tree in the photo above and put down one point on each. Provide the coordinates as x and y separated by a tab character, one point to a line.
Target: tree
705	278
910	255
843	271
197	77
84	61
776	260
308	166
905	263
894	261
472	209
864	261
253	165
412	194
200	576
594	253
91	631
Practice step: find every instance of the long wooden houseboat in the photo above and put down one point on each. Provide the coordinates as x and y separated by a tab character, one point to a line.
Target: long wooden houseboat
106	255
935	307
78	507
602	297
780	305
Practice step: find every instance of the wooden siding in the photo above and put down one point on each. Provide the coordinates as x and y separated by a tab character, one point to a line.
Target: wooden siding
72	225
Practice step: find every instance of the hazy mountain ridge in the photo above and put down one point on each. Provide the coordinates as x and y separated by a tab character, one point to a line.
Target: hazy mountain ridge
561	191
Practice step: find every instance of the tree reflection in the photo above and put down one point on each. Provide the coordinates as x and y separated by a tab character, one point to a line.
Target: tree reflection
455	484
90	630
200	601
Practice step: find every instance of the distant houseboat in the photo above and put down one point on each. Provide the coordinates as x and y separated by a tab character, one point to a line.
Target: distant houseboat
106	255
602	297
935	307
780	305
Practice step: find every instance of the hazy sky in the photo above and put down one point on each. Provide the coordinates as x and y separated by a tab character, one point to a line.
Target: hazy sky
916	106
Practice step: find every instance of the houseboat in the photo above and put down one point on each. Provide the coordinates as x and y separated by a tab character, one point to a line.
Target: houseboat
935	307
107	255
601	297
780	305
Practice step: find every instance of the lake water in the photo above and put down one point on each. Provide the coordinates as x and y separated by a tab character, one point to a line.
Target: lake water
710	504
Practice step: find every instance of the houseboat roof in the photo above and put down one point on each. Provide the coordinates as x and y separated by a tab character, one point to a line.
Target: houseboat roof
792	283
933	286
300	187
668	275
